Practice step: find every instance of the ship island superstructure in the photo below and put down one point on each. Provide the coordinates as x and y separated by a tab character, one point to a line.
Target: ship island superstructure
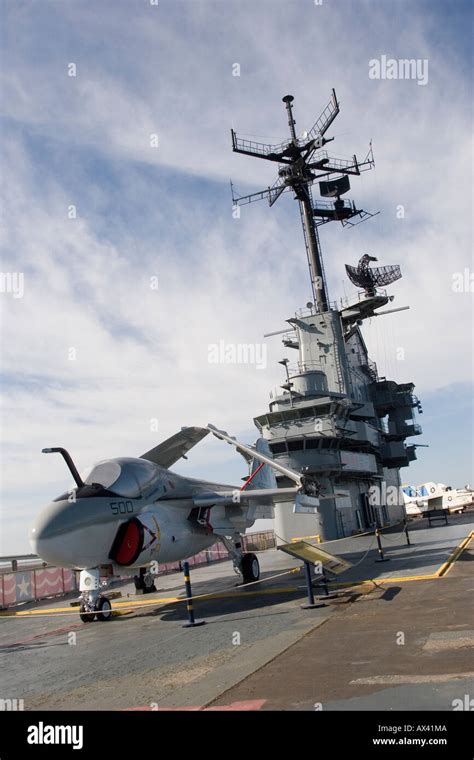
334	419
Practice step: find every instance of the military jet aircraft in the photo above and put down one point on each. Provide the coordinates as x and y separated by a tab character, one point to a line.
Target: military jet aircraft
135	512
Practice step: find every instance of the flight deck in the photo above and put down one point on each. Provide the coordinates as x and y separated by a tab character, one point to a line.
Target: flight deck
258	649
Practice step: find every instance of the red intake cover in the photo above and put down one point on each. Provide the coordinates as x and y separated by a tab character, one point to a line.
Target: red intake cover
128	542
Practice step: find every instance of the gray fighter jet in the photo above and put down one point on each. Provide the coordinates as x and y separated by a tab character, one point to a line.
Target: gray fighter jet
135	513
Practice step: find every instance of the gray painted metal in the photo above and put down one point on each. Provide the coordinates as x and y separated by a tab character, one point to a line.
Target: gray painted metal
333	421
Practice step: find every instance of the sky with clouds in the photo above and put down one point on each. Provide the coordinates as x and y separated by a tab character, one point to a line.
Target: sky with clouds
96	359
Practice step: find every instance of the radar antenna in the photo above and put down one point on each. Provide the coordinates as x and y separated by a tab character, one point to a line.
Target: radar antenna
302	161
370	279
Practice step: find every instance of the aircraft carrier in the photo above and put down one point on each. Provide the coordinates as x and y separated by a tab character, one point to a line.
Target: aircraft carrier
337	421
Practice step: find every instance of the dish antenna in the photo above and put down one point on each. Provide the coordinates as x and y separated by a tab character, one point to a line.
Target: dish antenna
370	279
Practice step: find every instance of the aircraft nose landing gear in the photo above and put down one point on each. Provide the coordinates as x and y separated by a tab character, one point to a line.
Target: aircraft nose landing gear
94	606
99	610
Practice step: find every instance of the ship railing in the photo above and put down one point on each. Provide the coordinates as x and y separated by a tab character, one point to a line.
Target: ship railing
359	295
258	147
319	156
307	366
370	367
290	337
339	164
306	311
323	205
278	393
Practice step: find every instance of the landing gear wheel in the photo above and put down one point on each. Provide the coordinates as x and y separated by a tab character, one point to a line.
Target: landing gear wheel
250	568
144	582
86	615
149	584
104	609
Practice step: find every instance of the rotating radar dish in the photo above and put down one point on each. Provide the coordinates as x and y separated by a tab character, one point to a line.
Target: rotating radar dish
369	279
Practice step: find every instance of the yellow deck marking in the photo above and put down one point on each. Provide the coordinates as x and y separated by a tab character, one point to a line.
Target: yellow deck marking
151	602
440	572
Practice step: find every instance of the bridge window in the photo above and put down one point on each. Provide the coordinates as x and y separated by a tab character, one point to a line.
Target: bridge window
278	448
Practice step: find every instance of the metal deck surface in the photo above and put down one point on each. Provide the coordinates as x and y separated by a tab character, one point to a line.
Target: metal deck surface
145	659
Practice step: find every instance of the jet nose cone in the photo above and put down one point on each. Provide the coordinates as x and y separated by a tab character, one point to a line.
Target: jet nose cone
39	544
47	536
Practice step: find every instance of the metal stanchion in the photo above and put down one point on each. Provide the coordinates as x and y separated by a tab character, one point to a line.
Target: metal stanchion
405	525
189	604
380	550
311	604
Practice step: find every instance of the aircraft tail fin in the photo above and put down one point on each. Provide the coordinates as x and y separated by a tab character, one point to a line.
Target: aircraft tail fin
261	475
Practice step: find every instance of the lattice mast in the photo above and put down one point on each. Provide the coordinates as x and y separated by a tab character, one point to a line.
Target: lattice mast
301	162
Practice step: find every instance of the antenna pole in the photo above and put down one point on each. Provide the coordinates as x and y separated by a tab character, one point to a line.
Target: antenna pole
301	163
288	100
313	251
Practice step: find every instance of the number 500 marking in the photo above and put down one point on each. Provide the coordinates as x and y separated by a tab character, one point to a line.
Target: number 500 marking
121	507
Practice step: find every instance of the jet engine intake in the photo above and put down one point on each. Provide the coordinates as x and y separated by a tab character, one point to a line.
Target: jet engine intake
135	537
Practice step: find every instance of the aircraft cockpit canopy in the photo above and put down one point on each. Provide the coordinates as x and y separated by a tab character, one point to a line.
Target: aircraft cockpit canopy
126	477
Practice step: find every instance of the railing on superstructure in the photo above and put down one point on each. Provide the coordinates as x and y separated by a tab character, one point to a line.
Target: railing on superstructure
345	302
369	367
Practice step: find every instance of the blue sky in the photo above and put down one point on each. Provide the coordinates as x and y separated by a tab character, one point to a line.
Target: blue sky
165	212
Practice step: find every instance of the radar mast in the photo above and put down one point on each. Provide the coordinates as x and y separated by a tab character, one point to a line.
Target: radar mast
302	162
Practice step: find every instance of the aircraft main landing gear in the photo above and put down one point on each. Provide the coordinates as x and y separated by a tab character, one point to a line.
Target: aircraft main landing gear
245	564
250	568
145	581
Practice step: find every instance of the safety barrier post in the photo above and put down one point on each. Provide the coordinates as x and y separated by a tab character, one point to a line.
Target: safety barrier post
380	550
189	603
311	604
405	525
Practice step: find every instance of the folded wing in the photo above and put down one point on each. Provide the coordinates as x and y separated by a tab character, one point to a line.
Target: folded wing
253	453
168	452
